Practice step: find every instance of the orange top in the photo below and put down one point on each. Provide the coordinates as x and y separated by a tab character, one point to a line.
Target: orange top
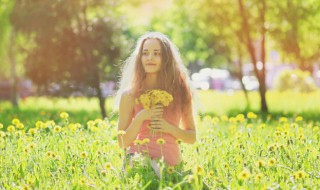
169	150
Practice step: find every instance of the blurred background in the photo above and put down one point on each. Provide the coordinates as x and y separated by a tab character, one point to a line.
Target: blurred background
243	55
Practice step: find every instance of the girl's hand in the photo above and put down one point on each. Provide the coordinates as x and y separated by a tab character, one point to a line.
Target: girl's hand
155	112
159	124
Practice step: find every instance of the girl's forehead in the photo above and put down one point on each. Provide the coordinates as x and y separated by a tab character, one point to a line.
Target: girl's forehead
151	43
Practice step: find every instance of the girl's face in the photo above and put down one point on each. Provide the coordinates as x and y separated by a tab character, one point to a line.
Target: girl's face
151	56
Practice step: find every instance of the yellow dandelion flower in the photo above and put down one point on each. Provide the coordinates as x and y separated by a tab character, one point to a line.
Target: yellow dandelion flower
240	116
25	187
301	137
207	118
57	129
32	131
179	141
244	175
26	150
215	120
137	142
32	145
294	125
108	166
1	125
121	132
233	120
272	162
170	170
315	129
283	119
161	141
299	118
299	175
258	177
15	121
77	125
84	154
38	124
72	169
83	181
249	125
145	141
54	155
262	126
224	118
64	115
45	125
68	146
2	134
49	154
20	126
210	173
50	123
272	147
251	115
82	140
199	170
90	123
94	129
103	172
73	128
11	128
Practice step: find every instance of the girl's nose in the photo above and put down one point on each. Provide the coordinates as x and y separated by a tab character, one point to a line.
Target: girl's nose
150	56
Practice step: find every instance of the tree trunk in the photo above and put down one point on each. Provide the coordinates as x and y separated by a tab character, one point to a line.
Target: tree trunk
240	78
261	80
100	96
88	55
14	79
263	88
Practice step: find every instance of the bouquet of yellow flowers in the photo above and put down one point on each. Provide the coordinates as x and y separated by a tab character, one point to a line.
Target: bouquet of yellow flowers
154	97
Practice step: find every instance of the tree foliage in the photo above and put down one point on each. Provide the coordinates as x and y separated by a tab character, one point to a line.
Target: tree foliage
295	26
295	80
77	43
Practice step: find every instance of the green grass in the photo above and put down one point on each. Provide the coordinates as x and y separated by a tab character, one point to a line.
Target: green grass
214	103
225	156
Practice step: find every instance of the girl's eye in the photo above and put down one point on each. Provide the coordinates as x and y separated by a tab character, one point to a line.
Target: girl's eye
157	53
145	53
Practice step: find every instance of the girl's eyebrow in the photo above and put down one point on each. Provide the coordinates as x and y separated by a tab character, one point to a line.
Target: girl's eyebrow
153	50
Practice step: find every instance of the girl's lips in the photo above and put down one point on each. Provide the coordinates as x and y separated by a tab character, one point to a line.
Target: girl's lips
151	64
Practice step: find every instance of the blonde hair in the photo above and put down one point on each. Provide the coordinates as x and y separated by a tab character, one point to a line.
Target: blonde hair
173	75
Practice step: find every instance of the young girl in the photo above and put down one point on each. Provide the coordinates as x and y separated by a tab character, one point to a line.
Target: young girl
155	64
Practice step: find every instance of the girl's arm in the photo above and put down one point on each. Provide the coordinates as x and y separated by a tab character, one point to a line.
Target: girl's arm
187	134
129	125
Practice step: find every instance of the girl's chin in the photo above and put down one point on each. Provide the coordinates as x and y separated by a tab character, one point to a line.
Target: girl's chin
151	72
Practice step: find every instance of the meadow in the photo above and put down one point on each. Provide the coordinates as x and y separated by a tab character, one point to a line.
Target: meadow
62	144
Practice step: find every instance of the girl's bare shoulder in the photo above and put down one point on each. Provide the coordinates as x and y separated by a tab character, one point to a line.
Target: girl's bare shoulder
128	96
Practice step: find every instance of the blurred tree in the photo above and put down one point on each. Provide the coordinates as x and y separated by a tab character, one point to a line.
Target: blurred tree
295	80
253	26
7	43
295	25
77	43
206	34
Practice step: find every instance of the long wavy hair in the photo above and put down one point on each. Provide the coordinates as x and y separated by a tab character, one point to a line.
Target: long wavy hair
172	77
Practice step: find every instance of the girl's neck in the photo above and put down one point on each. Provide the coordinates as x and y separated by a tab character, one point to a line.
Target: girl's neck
150	81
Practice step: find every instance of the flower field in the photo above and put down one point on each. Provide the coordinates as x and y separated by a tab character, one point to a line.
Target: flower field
231	152
52	149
